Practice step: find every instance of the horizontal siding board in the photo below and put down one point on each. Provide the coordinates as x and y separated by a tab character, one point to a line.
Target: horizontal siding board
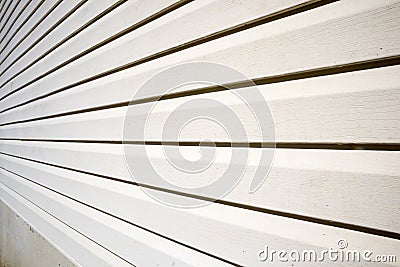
45	17
366	179
8	15
245	236
79	249
133	244
41	13
312	39
81	16
3	10
109	91
34	5
171	30
353	108
328	71
125	15
13	17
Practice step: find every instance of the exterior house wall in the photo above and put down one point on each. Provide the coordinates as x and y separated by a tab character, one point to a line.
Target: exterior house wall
79	166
